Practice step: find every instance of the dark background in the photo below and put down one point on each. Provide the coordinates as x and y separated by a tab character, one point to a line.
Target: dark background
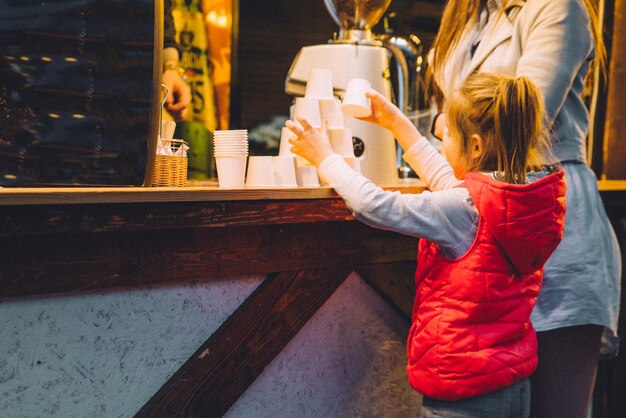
270	34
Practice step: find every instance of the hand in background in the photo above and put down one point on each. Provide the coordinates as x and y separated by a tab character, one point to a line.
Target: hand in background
179	95
309	143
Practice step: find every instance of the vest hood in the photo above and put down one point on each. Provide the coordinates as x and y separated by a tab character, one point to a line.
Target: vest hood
527	220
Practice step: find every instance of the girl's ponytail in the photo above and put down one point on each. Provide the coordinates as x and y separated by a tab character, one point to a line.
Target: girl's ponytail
518	126
508	113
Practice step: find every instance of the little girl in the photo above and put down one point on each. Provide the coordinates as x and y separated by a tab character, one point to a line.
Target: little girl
485	238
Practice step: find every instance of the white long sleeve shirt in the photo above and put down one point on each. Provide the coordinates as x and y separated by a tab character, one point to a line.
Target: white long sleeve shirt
444	215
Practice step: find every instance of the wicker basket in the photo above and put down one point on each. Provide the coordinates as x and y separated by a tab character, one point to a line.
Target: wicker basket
170	170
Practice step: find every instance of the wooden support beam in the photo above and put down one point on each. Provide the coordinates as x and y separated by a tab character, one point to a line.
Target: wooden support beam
223	368
394	282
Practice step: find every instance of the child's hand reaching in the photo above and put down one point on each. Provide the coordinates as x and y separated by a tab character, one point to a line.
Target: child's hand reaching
384	113
309	143
389	116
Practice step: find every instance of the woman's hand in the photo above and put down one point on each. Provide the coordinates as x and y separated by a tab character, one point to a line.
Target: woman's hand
309	143
179	96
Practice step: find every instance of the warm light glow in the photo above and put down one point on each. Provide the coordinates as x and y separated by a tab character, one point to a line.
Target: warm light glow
217	19
70	59
78	116
46	59
10	177
24	58
54	115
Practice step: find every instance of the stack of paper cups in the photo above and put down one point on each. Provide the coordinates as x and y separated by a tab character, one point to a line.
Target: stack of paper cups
309	109
231	156
332	114
284	149
319	85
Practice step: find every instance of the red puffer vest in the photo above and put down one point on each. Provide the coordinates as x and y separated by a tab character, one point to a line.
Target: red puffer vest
471	332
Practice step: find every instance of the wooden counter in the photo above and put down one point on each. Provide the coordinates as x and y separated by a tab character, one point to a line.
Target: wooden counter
72	239
305	241
197	191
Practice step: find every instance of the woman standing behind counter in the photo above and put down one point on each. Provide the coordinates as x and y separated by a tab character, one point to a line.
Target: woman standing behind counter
554	43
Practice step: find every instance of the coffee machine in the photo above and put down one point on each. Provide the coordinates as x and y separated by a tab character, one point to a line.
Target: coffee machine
356	52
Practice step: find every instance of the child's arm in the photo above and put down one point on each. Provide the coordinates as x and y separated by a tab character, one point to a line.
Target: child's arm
447	217
429	165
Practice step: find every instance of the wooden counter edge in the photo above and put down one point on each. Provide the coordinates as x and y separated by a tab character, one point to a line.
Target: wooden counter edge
90	195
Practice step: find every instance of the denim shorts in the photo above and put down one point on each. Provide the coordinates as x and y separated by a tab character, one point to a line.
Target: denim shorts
511	402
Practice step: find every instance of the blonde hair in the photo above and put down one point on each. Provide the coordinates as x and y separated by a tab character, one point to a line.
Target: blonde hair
508	114
457	14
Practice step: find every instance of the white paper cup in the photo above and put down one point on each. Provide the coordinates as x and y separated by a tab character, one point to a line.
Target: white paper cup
284	149
260	171
355	103
319	84
228	143
230	132
221	142
231	154
309	109
341	141
231	171
224	141
285	171
231	149
306	176
333	115
231	144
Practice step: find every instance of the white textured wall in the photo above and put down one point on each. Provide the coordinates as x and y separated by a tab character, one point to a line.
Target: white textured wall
105	354
347	361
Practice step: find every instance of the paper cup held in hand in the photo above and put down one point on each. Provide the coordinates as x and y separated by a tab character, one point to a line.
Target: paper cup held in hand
355	103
